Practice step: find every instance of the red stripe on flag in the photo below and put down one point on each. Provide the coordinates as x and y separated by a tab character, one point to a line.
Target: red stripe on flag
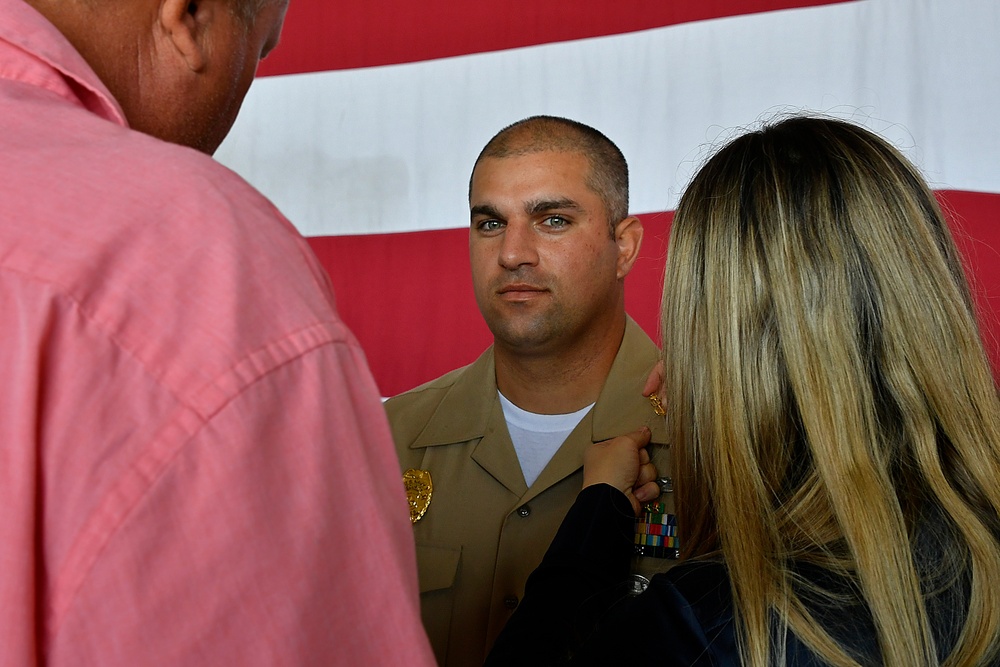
975	224
408	297
322	35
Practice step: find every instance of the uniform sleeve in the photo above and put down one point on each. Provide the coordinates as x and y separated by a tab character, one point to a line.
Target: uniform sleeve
276	534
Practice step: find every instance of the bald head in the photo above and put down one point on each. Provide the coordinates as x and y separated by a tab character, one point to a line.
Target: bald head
608	176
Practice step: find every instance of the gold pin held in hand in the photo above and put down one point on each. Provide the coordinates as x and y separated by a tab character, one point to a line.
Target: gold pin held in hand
654	400
419	488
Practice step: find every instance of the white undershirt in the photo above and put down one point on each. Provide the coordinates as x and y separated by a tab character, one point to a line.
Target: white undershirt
537	437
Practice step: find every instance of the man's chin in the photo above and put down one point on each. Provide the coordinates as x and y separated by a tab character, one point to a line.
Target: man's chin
524	342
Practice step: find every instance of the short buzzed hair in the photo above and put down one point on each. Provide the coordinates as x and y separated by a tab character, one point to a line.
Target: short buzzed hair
608	176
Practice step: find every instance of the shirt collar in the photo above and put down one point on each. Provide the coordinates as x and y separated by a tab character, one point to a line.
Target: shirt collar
465	411
55	65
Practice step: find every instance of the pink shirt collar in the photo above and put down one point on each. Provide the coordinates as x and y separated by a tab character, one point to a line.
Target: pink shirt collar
33	50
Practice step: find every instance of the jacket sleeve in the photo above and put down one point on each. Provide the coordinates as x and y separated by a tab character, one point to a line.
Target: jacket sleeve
582	574
578	610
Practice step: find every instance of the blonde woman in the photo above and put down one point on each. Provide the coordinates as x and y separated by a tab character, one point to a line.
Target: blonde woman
836	429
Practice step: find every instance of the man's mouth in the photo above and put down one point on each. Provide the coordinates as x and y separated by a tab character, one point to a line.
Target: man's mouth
520	291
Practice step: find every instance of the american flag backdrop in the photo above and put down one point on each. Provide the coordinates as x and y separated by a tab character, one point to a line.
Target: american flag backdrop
364	124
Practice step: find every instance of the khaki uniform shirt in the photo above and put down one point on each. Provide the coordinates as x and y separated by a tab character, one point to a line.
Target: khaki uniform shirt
484	530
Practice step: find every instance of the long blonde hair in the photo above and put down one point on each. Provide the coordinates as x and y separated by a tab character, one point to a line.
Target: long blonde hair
831	403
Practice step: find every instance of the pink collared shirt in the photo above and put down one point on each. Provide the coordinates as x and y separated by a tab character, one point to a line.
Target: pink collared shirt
195	468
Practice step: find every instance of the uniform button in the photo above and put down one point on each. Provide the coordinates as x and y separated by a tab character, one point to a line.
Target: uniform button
523	510
510	602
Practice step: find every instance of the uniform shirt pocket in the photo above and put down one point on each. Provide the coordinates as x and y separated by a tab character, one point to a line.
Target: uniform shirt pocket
437	566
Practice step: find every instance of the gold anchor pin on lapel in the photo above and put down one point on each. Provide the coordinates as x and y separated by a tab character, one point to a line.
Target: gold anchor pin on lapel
419	488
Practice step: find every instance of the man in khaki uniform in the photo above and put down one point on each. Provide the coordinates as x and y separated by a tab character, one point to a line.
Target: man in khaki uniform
502	440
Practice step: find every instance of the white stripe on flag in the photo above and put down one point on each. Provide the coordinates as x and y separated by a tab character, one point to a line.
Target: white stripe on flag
389	149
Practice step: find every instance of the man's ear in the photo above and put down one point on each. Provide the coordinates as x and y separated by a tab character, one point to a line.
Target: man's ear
628	236
182	21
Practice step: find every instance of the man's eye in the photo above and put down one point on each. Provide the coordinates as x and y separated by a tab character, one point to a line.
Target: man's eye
555	221
489	225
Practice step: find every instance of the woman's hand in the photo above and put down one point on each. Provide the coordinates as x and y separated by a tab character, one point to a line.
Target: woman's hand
623	462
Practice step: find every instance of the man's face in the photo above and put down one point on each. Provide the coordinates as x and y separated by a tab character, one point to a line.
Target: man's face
544	265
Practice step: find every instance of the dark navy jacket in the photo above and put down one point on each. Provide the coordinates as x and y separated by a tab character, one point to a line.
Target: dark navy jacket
577	610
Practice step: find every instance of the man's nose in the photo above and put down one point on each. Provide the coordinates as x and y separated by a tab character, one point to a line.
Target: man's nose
518	246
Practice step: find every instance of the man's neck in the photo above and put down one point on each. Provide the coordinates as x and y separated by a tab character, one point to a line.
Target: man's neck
560	382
